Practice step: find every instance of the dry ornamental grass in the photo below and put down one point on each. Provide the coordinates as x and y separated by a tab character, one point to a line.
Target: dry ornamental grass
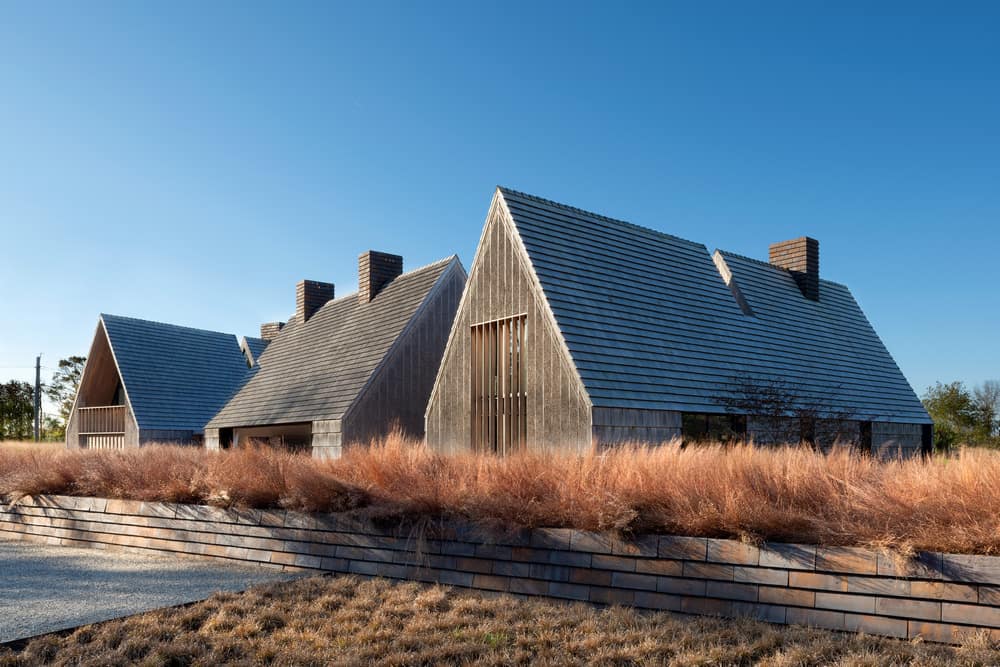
347	621
789	494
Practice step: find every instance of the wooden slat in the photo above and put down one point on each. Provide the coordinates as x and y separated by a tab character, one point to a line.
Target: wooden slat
475	397
102	419
498	392
505	384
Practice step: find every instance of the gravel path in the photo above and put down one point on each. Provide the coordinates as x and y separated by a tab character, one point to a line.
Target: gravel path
49	588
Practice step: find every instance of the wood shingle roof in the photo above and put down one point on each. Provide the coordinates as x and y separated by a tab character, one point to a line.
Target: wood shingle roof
315	370
175	377
650	322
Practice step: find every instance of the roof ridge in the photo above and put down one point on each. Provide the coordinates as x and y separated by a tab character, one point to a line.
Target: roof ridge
444	260
594	215
748	258
405	274
166	324
773	266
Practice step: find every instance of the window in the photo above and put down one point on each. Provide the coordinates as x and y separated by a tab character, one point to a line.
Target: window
926	439
119	397
726	429
865	439
499	400
807	431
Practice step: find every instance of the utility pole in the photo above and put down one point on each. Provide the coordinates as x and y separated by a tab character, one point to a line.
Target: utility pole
38	397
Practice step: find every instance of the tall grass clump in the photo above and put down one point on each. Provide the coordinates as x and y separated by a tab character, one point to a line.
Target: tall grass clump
790	494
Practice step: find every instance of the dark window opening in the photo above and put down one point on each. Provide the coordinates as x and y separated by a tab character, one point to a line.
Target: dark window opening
865	440
225	438
119	397
705	428
926	439
807	431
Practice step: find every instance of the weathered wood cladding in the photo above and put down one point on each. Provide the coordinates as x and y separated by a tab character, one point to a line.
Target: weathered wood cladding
623	425
327	438
97	388
499	404
399	389
154	436
889	439
501	285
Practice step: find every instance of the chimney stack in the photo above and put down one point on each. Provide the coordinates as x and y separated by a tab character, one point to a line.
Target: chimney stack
375	271
800	257
310	296
269	330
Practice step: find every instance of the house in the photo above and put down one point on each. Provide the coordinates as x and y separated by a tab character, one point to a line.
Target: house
152	382
575	328
348	369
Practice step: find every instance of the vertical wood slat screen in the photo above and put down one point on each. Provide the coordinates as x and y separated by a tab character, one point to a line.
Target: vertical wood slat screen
499	392
97	441
102	419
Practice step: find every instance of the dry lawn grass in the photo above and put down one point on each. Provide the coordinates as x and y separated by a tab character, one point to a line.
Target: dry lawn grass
346	621
788	494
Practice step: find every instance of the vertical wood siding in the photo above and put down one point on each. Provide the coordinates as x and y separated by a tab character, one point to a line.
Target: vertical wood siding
501	286
398	393
97	388
614	426
498	400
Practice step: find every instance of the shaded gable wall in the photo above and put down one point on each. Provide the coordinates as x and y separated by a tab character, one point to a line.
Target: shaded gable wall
502	285
397	393
97	388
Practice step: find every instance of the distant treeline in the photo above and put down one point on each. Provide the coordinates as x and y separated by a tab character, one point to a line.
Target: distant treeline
964	416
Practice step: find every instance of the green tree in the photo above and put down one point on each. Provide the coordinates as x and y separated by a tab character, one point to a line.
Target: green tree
987	400
961	416
17	410
53	429
61	390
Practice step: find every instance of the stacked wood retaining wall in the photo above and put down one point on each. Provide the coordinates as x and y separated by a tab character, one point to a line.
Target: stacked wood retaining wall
940	597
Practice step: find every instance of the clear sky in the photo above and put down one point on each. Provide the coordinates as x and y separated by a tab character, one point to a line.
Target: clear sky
189	162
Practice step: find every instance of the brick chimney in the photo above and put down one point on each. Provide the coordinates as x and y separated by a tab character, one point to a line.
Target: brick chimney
375	271
269	330
310	296
801	258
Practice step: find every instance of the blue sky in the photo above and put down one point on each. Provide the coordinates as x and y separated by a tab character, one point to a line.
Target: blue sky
189	162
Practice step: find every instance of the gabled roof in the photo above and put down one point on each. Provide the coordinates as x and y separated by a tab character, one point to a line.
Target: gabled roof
175	377
253	348
650	322
315	370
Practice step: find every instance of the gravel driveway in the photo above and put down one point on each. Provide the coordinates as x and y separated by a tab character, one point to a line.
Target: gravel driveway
49	588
